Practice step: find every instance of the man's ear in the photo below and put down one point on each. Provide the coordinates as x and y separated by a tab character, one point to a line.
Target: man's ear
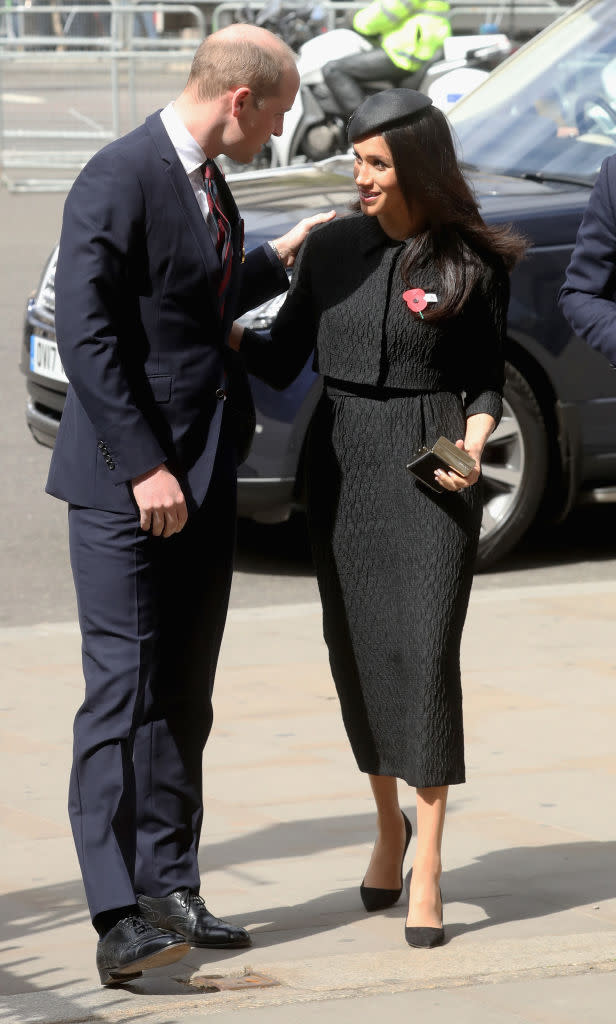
239	100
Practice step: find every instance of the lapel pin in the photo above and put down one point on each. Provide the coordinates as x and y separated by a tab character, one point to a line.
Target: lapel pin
417	299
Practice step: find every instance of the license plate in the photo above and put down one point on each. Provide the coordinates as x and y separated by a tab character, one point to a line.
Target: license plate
45	360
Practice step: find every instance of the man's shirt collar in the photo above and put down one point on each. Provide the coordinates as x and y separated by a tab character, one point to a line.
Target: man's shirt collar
189	151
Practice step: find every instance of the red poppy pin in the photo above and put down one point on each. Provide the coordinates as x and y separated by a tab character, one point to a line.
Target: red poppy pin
415	299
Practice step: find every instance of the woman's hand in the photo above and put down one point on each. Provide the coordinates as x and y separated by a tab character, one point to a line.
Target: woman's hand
453	481
235	337
478	429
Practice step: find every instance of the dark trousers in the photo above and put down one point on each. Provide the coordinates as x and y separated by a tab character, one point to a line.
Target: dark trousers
152	613
344	77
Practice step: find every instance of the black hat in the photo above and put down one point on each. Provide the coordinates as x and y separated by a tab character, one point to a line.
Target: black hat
385	110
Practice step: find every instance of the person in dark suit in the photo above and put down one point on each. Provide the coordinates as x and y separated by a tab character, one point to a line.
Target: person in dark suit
150	277
588	296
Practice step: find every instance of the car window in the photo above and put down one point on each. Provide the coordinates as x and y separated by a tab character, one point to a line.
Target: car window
550	110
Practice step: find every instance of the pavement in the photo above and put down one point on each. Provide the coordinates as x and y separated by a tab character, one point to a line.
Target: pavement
530	845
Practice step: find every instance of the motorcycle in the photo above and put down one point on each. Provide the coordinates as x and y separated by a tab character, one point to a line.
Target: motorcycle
297	27
294	25
315	129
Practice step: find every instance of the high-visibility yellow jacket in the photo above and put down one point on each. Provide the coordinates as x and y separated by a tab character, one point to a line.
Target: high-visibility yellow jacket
411	31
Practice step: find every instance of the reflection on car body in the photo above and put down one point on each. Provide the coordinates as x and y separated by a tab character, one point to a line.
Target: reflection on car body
533	138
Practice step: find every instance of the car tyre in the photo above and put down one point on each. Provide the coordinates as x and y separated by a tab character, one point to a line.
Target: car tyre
514	469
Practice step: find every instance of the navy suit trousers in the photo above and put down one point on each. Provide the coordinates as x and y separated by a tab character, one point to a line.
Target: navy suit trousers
152	614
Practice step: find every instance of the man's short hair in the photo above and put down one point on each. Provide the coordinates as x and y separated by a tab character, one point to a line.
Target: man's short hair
220	65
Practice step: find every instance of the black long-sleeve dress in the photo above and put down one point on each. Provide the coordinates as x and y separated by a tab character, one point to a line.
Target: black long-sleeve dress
393	558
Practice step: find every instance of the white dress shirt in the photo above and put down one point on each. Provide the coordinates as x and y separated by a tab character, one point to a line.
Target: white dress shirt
192	159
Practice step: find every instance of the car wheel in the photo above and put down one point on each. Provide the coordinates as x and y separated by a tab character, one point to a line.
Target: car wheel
514	469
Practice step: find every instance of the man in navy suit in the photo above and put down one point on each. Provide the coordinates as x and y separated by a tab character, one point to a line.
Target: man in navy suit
588	296
150	277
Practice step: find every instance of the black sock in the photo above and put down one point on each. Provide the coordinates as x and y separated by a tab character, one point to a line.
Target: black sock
106	920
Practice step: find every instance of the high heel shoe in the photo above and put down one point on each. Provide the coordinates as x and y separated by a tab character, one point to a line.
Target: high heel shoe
424	938
380	899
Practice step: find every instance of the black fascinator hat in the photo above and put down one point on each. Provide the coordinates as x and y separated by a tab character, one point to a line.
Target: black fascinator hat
387	109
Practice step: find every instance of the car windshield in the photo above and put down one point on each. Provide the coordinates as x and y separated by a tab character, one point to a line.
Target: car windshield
550	111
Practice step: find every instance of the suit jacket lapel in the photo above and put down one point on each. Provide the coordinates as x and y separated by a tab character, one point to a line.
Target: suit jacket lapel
188	202
237	242
199	230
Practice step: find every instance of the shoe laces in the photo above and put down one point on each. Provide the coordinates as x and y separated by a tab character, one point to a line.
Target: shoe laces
189	898
136	923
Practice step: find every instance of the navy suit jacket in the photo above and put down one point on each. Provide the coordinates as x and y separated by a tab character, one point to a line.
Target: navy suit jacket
137	323
588	296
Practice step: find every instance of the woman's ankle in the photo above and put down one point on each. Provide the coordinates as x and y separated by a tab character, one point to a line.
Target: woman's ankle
391	825
428	865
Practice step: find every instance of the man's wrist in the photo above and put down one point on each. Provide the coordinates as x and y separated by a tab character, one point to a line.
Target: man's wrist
277	253
149	473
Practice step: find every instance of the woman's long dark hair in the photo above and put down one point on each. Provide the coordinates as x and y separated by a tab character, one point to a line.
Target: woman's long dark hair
455	239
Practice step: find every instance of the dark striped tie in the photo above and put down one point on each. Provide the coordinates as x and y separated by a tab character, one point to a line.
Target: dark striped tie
223	230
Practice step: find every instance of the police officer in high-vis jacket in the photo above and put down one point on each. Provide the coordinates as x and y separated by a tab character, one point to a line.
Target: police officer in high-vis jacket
410	33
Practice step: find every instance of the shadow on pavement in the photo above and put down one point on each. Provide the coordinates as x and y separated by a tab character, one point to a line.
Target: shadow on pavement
527	882
508	885
587	535
281	548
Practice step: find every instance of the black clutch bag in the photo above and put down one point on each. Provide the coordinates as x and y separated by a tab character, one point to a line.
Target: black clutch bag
442	455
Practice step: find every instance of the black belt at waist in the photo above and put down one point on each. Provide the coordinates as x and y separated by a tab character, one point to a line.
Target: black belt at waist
375	391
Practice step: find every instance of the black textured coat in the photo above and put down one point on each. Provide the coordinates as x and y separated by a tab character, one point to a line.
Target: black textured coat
346	298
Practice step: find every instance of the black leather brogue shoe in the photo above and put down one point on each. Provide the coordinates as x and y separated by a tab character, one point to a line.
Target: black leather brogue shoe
185	913
132	946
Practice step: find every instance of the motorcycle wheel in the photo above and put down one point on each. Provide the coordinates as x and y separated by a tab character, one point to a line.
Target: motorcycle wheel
262	162
324	140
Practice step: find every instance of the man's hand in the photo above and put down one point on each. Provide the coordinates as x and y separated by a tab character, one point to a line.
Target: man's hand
288	246
161	502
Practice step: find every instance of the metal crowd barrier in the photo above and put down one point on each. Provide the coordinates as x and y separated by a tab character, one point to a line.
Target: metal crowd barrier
107	26
521	16
64	95
74	76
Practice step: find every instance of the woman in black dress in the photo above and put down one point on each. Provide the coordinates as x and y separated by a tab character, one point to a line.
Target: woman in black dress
406	302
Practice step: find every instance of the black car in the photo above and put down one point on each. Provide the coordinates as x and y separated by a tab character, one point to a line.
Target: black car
532	139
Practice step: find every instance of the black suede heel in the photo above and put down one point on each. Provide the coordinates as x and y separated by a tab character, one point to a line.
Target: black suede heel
380	899
424	938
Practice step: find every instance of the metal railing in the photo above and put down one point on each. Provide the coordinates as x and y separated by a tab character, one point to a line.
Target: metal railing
75	76
522	16
113	26
63	96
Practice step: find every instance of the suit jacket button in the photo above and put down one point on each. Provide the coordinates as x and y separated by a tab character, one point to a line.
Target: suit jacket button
111	464
221	394
101	445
